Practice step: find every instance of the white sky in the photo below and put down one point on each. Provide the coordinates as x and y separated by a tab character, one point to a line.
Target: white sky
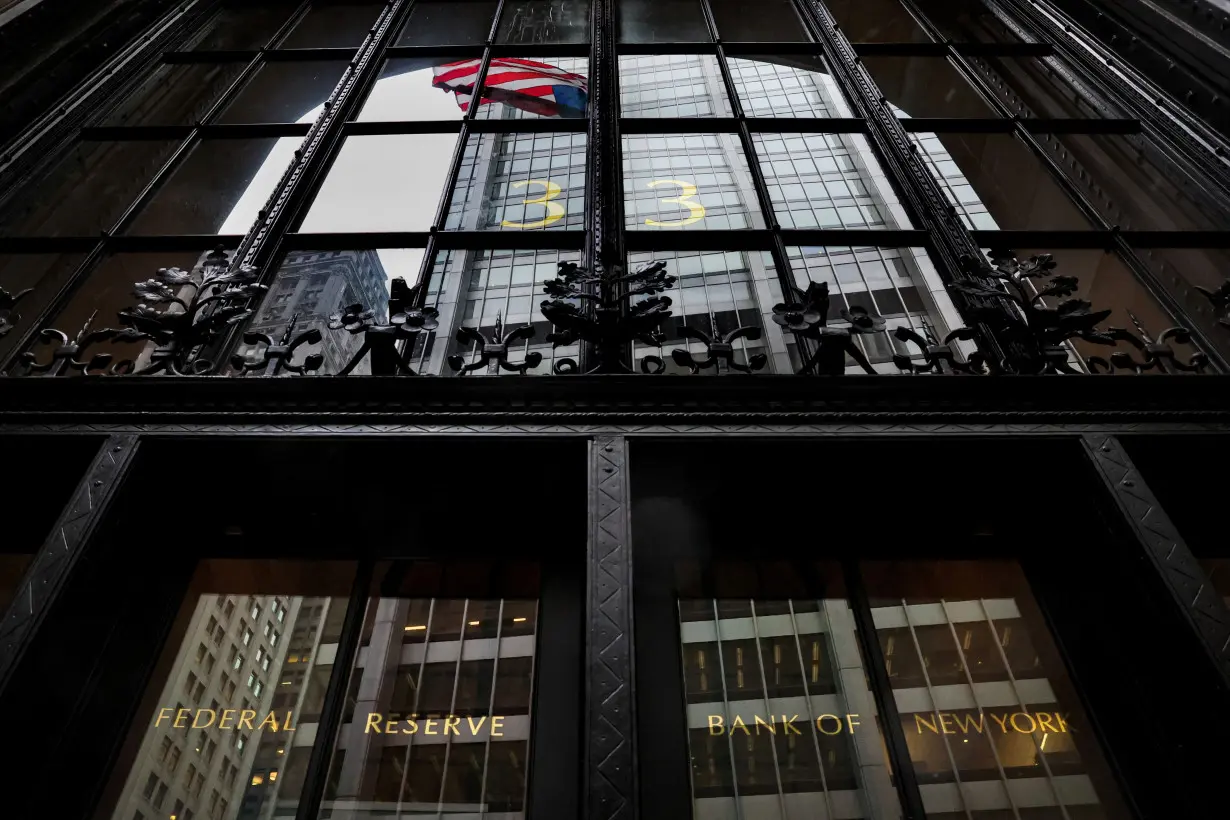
378	183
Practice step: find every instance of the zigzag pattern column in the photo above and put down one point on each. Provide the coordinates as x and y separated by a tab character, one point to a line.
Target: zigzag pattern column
59	553
610	764
1193	592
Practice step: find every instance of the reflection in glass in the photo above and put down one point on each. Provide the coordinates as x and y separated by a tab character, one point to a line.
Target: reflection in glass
333	25
282	91
520	88
671	85
687	181
226	735
787	86
539	22
86	191
176	94
448	23
406	90
662	21
438	740
390	182
876	21
242	26
926	87
982	694
764	22
968	21
520	182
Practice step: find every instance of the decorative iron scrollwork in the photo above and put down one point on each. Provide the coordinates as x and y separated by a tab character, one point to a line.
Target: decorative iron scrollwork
1220	299
8	317
381	339
1157	355
69	354
280	354
605	324
938	357
719	349
807	318
493	351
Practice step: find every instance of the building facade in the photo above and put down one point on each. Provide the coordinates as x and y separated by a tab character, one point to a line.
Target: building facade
613	409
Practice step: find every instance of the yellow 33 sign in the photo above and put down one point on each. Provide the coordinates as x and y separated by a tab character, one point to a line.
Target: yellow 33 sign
555	211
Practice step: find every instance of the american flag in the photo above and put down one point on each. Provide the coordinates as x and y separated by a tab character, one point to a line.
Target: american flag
525	84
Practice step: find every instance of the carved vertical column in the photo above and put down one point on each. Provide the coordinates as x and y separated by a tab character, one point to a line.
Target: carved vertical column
59	554
1156	535
610	750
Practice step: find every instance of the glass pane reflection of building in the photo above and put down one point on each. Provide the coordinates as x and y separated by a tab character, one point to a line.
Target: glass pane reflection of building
782	722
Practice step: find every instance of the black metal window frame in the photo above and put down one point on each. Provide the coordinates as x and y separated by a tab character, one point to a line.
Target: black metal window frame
274	233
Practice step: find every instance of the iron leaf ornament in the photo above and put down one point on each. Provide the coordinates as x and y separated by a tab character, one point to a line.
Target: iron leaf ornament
390	344
807	318
493	351
276	357
719	350
8	315
1155	354
1220	300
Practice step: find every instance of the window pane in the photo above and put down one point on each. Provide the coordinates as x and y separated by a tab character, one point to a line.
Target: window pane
926	87
334	25
217	188
995	182
826	181
435	741
764	22
216	747
176	94
538	22
406	90
662	21
787	86
520	182
518	88
982	693
285	92
687	181
968	21
85	192
876	21
383	183
671	85
242	26
448	23
477	289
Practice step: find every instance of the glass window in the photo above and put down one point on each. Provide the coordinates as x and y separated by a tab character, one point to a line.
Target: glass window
539	22
765	22
448	23
787	86
967	21
175	94
217	188
876	21
671	85
264	736
996	183
335	24
284	92
688	181
538	183
519	88
435	739
926	87
389	182
662	21
982	693
86	191
826	181
1040	87
407	89
241	25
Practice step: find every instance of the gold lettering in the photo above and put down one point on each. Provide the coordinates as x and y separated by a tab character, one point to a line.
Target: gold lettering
286	727
1044	721
428	727
373	722
696	211
246	716
494	721
227	715
1033	727
715	722
920	721
851	722
391	726
966	721
555	211
820	724
474	728
452	723
761	722
1063	726
1002	721
944	726
181	719
412	726
738	723
789	726
161	715
269	718
212	716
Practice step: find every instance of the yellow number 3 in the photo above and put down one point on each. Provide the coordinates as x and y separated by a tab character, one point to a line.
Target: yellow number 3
555	211
696	211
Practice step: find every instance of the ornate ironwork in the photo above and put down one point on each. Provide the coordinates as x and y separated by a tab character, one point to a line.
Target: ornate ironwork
276	357
719	349
1220	299
1158	355
807	318
586	308
68	353
8	317
493	350
938	357
390	344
